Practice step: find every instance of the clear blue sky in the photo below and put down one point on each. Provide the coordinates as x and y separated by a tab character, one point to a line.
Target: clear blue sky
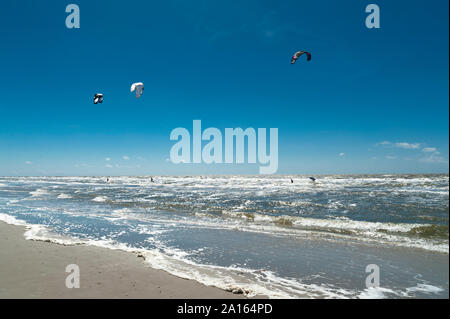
226	63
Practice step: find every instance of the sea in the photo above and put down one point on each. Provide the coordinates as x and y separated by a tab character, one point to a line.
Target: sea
261	236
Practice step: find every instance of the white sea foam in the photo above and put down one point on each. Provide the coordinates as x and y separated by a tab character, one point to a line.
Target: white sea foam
100	199
386	233
12	201
248	281
195	203
425	288
123	210
251	282
39	232
12	220
341	223
409	292
377	293
39	192
64	196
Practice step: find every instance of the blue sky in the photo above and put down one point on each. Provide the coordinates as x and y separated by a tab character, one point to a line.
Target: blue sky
370	101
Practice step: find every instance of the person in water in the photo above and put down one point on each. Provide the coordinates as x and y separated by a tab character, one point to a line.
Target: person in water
292	181
151	180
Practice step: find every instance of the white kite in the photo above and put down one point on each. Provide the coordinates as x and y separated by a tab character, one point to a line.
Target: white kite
139	87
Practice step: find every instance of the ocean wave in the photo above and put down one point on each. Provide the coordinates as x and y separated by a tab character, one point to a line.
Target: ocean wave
409	292
12	202
64	196
12	220
249	282
100	199
341	223
424	236
380	214
430	231
40	192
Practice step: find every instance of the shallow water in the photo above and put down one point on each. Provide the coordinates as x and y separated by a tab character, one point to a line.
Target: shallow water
262	234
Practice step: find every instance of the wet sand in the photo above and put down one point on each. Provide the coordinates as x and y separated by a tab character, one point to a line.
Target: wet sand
36	269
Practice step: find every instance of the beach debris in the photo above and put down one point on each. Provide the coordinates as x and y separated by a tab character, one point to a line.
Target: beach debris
237	290
98	98
298	54
138	87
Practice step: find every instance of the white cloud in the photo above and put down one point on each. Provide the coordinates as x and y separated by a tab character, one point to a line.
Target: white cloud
107	159
404	145
125	157
28	162
109	165
389	157
341	154
410	146
433	158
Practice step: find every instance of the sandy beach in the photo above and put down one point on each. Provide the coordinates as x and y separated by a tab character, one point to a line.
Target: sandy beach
36	269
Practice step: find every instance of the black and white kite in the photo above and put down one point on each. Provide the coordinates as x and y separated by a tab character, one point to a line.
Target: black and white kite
298	54
98	98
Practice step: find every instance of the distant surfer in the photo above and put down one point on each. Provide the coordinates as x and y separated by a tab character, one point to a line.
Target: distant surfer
151	180
107	179
313	179
292	181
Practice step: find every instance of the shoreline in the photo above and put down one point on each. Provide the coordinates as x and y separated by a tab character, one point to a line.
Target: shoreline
37	269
